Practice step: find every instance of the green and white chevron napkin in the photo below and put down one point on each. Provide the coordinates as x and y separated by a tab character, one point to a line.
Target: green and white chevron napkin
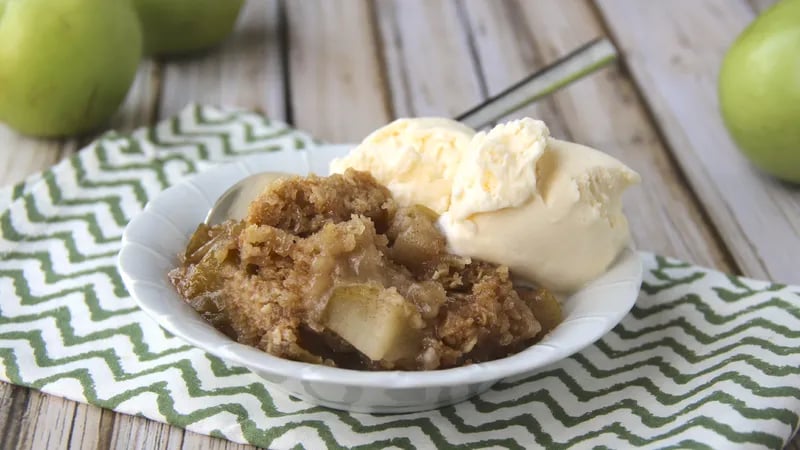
704	360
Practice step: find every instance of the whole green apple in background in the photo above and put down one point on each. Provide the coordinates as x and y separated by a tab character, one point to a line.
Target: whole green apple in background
184	26
65	66
759	91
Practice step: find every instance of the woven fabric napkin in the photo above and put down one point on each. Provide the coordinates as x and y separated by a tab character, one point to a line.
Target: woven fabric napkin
704	359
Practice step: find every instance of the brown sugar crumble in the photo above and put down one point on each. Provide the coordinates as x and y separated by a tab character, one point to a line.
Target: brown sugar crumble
329	270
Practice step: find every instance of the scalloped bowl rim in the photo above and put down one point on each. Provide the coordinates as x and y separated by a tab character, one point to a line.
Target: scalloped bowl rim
155	295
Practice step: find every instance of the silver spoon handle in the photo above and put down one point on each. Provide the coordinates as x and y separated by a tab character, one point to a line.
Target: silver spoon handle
574	66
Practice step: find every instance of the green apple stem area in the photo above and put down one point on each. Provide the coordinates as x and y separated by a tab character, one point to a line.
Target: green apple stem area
759	91
67	65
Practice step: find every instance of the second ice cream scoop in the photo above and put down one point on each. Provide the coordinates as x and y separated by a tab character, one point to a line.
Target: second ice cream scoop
567	233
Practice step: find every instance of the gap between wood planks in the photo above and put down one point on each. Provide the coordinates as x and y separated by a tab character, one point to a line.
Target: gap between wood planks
286	80
380	45
473	49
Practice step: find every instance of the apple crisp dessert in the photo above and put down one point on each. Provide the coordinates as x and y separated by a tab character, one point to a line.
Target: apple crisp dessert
329	270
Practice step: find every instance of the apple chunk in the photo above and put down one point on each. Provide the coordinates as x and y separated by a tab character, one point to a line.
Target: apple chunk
378	322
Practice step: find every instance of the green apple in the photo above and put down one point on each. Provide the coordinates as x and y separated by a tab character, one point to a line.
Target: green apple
759	91
65	66
185	26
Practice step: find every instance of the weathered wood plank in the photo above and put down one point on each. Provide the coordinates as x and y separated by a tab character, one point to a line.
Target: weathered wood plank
91	428
194	441
244	71
428	58
337	87
13	405
505	53
674	51
138	433
46	422
514	39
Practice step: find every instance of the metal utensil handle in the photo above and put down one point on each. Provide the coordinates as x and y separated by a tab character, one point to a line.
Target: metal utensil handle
574	66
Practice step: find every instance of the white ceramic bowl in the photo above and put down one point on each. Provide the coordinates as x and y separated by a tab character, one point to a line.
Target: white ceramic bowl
154	238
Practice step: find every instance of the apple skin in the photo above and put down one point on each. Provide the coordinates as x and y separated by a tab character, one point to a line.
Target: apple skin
173	27
759	91
65	66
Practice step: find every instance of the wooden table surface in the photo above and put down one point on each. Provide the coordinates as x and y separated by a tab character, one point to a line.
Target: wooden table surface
342	68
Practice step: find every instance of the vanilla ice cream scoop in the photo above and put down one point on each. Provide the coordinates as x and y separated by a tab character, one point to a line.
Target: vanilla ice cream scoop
498	168
416	159
568	230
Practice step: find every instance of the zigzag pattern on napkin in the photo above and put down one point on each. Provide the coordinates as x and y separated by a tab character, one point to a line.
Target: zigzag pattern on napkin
660	379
